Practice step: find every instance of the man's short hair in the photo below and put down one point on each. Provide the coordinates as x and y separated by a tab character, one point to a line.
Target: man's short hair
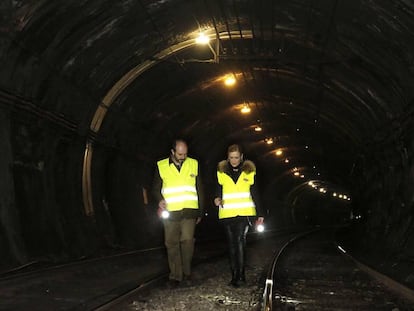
176	141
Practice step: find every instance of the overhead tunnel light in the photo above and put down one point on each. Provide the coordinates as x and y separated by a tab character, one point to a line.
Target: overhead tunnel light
202	39
230	80
245	109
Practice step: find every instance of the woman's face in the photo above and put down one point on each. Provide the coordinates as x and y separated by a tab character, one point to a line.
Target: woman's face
234	158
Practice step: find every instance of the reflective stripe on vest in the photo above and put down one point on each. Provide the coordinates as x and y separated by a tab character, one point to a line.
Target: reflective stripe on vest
179	187
237	200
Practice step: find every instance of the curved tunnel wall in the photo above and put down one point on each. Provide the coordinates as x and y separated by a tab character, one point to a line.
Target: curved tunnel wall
352	79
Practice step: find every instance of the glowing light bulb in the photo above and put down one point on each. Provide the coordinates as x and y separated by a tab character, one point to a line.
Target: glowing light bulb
230	80
202	39
245	109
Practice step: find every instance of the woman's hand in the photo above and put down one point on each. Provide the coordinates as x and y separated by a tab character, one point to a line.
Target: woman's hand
259	221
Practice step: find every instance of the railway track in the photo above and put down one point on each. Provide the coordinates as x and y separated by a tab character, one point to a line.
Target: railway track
88	284
311	273
308	272
211	290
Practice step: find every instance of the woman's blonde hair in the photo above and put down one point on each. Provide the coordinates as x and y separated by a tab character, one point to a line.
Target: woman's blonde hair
233	148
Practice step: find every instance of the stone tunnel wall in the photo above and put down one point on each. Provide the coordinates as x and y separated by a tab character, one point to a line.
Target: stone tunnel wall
384	183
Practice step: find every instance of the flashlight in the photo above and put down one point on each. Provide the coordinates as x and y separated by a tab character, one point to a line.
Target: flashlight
165	214
260	228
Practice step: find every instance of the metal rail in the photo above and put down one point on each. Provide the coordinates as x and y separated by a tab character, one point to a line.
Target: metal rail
393	285
267	303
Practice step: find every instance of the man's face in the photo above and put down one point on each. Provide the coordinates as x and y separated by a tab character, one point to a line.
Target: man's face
180	153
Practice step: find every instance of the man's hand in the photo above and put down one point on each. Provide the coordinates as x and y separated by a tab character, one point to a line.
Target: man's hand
259	224
218	201
198	220
162	206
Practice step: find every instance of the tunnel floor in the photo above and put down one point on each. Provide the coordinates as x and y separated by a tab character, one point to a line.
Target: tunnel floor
89	286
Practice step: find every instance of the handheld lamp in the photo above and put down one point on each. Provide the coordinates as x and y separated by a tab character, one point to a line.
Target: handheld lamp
165	214
260	228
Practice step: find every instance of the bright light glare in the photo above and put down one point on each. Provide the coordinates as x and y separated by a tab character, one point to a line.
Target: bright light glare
260	228
165	214
279	152
269	141
258	129
230	80
202	39
245	109
341	249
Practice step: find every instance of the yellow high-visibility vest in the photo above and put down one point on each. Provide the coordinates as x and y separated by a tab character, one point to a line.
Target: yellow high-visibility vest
237	199
179	187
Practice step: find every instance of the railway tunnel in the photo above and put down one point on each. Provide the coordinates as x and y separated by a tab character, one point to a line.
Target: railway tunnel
319	94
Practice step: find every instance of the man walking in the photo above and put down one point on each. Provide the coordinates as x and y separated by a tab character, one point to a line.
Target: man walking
177	188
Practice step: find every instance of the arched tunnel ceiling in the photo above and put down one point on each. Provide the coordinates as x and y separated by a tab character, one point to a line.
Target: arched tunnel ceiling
324	79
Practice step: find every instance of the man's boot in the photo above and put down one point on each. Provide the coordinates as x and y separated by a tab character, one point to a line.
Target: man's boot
242	277
235	276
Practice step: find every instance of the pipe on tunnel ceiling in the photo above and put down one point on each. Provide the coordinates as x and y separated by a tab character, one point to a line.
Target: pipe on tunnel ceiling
119	87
